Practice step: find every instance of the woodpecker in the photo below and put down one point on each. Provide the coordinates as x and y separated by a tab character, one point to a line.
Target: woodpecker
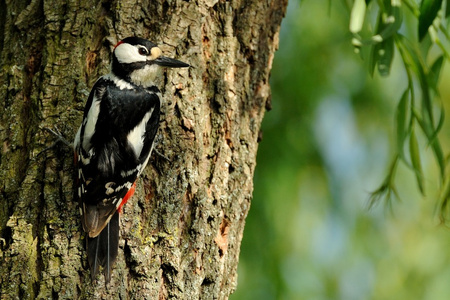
114	143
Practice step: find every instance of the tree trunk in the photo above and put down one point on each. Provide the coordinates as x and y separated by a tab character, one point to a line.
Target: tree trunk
181	232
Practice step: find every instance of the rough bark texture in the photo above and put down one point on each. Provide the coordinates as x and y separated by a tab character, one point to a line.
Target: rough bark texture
181	232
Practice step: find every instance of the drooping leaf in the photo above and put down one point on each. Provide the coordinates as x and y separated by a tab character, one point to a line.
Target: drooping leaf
357	16
437	150
413	61
434	142
391	23
435	71
415	159
433	78
385	55
428	12
383	41
447	9
387	189
402	127
444	199
413	6
410	55
425	45
373	52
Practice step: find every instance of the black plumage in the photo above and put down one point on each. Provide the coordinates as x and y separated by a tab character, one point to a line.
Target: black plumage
114	143
103	249
113	163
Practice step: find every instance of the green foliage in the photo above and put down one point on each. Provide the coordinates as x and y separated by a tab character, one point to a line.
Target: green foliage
428	13
423	57
334	128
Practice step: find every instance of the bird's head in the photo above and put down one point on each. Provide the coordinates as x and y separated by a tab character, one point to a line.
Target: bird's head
138	61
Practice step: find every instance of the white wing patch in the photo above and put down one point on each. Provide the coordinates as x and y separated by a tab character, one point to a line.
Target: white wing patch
90	121
145	162
130	172
136	136
109	189
76	142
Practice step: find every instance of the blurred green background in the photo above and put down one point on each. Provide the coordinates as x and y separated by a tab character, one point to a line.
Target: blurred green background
327	143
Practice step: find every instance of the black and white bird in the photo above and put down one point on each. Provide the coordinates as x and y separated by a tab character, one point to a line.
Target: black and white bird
114	143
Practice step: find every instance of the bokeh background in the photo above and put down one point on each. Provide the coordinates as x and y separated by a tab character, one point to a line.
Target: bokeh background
327	143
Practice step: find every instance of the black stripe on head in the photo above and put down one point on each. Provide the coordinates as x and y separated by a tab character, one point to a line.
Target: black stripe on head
123	71
139	41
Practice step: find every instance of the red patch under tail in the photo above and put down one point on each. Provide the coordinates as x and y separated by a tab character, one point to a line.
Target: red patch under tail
127	197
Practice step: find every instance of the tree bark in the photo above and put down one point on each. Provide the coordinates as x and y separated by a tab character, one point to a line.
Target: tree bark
181	232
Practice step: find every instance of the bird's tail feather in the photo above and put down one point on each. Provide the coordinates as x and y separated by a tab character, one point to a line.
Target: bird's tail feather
103	249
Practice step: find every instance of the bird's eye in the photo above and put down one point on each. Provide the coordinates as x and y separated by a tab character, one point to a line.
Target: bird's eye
143	51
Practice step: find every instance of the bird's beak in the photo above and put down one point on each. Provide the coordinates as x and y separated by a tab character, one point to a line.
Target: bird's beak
169	62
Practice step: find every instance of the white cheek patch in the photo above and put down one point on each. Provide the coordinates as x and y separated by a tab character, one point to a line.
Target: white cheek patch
127	53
